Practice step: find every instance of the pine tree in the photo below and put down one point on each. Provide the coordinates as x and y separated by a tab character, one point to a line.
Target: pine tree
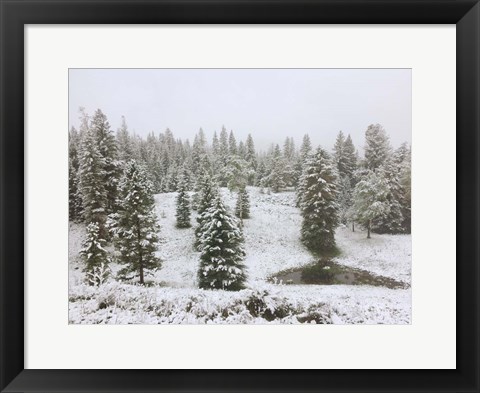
392	221
135	224
345	162
338	154
237	173
92	185
232	145
94	254
275	179
108	150
215	156
370	199
223	158
251	158
261	174
305	148
305	151
345	199
199	150
350	159
74	200
124	142
221	255
208	193
377	147
74	197
242	150
242	207
183	203
318	202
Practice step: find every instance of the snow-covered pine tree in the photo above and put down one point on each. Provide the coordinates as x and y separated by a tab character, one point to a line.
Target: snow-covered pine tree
242	150
93	252
345	162
251	158
237	173
350	159
318	202
261	174
338	153
223	158
242	207
405	178
305	151
370	199
134	225
345	199
183	202
74	200
108	150
222	253
305	148
124	142
74	197
215	153
275	178
392	221
205	168
289	161
92	185
377	147
208	192
199	150
232	144
169	181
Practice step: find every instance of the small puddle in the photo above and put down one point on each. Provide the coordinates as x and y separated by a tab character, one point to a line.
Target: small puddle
331	273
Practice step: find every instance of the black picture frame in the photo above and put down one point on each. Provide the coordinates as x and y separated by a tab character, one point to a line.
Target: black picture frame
15	14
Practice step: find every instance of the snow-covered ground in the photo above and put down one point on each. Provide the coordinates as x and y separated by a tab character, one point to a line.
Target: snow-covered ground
272	244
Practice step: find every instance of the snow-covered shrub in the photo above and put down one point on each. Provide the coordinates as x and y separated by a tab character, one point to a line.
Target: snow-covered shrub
264	304
316	314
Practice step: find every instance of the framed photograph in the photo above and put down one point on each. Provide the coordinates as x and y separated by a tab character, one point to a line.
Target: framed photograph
239	196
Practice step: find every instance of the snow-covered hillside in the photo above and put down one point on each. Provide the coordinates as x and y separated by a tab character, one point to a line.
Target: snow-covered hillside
272	244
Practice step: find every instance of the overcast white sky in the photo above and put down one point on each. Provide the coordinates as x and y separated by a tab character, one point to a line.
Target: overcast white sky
271	104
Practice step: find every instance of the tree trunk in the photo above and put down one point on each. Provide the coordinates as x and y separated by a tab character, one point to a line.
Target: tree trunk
141	273
140	262
353	226
368	228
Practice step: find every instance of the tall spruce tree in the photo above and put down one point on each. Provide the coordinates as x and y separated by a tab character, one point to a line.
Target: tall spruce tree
345	162
124	142
222	253
92	185
318	202
242	207
305	151
370	199
251	158
377	147
208	193
392	221
223	158
108	150
350	159
183	202
276	178
74	195
135	225
232	144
